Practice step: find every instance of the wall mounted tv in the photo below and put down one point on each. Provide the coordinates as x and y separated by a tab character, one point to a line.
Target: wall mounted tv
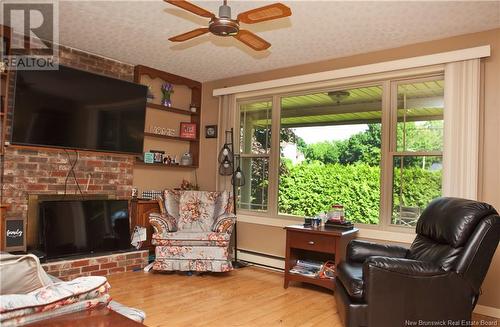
70	108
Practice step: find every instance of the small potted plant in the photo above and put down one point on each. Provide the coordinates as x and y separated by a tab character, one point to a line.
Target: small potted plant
167	89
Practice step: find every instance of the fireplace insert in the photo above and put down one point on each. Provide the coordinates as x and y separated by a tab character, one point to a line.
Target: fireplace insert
79	227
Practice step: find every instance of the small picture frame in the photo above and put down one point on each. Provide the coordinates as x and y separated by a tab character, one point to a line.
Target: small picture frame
188	130
14	234
211	131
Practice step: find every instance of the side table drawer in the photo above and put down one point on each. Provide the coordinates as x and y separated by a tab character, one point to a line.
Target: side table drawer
312	242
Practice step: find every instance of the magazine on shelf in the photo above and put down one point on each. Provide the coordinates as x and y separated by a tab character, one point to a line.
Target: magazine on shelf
309	268
310	263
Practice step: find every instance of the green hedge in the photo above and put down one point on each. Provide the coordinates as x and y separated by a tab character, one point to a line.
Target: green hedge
310	188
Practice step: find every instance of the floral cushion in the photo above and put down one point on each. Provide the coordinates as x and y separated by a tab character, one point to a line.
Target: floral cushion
171	199
189	239
59	311
197	211
191	252
52	297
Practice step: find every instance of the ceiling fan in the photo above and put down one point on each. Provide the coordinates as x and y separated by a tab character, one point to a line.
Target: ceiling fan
224	25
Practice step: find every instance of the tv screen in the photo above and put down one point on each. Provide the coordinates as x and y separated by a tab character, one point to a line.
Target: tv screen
81	227
74	109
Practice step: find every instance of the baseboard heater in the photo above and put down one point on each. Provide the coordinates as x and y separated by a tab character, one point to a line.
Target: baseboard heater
261	259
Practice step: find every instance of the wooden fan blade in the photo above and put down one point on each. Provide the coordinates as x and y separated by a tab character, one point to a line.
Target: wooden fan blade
257	15
191	7
253	41
189	35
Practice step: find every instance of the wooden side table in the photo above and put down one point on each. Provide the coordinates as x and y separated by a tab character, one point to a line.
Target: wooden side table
320	244
139	216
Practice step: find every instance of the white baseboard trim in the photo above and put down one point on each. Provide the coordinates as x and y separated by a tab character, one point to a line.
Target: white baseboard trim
260	259
279	263
487	311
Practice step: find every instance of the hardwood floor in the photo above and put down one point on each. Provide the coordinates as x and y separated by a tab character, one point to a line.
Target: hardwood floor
245	297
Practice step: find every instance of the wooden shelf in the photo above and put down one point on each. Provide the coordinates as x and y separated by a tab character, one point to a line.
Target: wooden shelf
171	109
164	166
323	282
175	138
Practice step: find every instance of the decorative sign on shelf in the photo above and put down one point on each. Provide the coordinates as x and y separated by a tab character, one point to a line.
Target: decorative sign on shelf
162	130
14	237
151	195
188	130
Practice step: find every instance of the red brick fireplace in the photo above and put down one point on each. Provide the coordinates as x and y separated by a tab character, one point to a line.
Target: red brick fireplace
30	170
42	171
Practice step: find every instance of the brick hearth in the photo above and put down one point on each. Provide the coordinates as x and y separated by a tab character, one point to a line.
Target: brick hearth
97	266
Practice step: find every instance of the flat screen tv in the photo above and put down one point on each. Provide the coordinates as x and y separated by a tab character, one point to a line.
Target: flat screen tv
70	108
72	227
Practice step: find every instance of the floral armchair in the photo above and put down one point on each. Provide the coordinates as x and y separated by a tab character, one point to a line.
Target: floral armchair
193	231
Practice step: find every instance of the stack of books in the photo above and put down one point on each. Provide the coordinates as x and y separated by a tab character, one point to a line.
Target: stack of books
309	268
338	224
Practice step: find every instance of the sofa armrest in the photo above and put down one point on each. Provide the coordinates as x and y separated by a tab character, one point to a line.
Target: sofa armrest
162	223
359	251
224	223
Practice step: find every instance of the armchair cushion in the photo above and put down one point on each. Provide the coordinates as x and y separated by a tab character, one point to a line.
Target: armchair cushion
452	220
199	209
351	276
443	255
191	252
224	224
359	251
171	200
192	238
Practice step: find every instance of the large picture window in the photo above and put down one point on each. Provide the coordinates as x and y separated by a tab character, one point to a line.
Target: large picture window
330	146
374	148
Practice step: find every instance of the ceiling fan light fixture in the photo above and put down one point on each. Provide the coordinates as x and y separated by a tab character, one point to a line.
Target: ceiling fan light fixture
224	26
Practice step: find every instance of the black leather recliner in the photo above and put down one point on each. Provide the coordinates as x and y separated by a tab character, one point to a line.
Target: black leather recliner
437	279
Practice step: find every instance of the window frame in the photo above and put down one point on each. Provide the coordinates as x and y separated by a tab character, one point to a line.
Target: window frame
388	82
393	152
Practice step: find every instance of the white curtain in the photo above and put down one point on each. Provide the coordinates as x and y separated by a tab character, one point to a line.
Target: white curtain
461	129
227	109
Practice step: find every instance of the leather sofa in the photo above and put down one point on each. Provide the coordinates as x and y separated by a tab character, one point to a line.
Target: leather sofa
436	280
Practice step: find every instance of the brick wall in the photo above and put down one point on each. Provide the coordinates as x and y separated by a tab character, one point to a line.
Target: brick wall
38	170
97	266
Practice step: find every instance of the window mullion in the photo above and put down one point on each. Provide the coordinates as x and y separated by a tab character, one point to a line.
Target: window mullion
274	154
386	158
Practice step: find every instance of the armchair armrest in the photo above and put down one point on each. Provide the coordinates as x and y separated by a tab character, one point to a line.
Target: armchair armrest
162	223
359	251
413	290
224	223
402	266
